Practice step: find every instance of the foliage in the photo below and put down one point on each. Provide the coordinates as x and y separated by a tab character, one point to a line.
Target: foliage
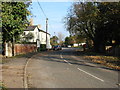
43	47
14	19
79	39
74	39
54	40
96	21
70	40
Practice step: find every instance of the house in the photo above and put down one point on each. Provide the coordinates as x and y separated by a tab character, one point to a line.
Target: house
39	36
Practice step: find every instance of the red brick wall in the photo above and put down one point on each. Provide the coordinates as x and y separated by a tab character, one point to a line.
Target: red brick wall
24	48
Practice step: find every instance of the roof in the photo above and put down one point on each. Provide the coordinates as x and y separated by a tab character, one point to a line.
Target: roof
31	28
42	31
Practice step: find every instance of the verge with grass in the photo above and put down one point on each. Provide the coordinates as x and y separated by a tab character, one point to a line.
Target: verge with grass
109	61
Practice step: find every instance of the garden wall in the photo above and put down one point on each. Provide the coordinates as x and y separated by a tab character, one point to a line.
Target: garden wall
24	48
19	49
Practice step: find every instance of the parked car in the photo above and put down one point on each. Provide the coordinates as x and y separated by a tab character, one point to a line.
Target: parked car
57	47
69	45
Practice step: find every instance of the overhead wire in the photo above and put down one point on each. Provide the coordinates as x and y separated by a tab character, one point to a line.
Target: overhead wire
42	9
44	13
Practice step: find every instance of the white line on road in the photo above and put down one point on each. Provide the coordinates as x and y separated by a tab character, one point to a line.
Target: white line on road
61	56
69	63
65	60
90	74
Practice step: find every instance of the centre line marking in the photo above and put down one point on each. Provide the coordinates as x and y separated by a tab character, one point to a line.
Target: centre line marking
90	74
69	63
61	56
65	60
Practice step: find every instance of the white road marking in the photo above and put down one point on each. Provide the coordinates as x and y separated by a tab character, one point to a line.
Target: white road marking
61	56
90	74
65	60
69	63
91	64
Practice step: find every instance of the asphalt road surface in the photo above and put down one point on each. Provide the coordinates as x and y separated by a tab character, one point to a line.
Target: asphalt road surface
64	69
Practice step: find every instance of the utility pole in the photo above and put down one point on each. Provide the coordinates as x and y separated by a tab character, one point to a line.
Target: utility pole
46	31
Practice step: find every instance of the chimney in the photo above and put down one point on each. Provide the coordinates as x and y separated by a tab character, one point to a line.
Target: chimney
31	22
39	26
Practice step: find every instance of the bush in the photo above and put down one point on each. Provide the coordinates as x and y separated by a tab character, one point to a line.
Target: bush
42	47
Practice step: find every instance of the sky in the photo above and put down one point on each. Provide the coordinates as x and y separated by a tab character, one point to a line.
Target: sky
55	12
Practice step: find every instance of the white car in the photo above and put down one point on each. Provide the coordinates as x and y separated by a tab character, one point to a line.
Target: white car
69	45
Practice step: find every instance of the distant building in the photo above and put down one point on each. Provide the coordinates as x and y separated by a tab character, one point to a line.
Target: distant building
39	36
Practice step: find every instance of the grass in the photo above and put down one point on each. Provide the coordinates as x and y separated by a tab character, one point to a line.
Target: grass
110	61
2	86
107	60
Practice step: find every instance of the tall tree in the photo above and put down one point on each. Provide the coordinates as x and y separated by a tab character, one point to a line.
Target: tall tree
95	21
14	19
70	40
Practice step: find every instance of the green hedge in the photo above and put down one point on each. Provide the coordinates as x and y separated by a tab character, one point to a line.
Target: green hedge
42	47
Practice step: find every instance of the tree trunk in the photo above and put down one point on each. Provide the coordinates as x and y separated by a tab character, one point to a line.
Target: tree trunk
13	42
3	48
99	46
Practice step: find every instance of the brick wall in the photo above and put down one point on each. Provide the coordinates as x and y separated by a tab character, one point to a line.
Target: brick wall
24	48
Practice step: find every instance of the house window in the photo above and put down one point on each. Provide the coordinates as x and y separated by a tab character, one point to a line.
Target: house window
24	33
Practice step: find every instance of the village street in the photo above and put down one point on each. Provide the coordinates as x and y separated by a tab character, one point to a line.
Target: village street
64	69
56	69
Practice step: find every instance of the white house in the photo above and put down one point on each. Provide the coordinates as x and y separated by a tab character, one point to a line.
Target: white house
39	36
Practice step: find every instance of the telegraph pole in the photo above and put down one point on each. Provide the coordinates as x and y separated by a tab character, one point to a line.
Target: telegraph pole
46	31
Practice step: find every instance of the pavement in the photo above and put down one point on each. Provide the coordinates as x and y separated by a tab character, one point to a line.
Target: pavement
12	71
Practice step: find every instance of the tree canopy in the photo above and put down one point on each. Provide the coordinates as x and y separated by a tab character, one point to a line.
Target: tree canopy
54	40
14	19
97	21
70	40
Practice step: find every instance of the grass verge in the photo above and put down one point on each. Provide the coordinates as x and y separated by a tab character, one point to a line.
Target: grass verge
109	61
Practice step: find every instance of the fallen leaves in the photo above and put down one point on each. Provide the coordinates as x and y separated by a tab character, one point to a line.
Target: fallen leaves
109	61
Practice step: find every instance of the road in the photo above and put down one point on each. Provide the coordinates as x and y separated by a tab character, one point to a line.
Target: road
64	69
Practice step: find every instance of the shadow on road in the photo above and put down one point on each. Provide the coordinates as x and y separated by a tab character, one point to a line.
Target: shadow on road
54	56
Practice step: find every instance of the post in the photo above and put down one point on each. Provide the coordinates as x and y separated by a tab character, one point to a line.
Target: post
46	31
13	42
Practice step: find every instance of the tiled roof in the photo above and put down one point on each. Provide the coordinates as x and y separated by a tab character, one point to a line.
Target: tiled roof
42	31
30	28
